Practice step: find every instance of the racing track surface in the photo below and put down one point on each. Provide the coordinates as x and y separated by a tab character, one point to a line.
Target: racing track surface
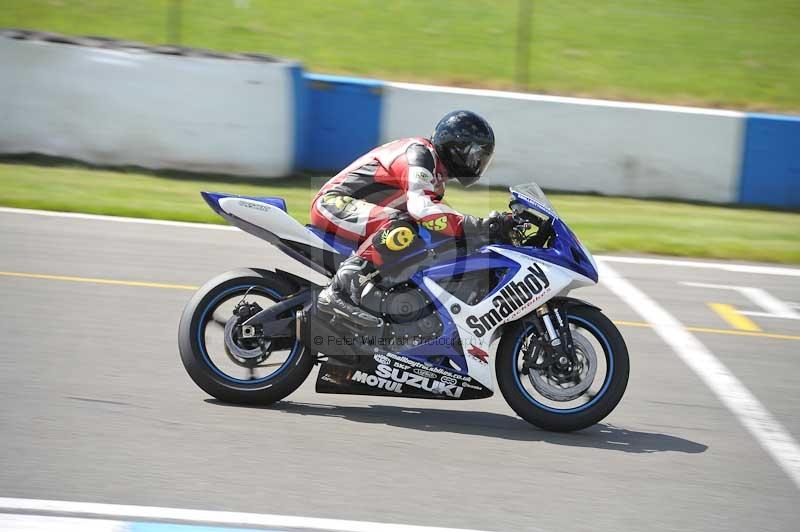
95	405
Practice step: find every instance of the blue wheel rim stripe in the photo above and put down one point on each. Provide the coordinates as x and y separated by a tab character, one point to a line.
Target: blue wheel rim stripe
202	345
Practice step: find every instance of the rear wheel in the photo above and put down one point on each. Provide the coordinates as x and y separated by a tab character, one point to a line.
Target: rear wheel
561	400
231	368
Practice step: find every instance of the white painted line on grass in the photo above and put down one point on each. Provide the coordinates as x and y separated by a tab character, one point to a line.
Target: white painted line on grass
731	267
177	515
746	407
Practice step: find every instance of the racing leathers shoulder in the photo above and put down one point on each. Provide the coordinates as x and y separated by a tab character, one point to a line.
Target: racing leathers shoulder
405	175
425	191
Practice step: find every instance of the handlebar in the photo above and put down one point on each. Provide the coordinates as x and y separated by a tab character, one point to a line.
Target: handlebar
522	234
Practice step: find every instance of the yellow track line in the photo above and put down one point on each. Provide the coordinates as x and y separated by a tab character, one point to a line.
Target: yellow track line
632	324
744	333
734	318
99	281
710	330
190	287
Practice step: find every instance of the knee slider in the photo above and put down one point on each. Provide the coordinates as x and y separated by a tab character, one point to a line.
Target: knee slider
397	237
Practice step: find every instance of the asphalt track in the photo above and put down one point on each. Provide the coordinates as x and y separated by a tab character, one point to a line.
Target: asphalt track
96	407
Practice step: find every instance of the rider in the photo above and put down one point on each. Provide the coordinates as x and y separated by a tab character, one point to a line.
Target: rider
377	200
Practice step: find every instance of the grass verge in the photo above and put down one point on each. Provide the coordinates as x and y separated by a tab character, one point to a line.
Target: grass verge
736	53
603	224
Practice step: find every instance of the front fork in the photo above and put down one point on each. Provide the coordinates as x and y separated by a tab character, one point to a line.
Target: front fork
553	338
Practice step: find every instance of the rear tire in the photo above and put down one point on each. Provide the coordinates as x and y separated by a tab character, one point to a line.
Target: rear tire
549	418
201	368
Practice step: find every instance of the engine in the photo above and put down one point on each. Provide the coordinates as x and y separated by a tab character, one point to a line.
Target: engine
410	317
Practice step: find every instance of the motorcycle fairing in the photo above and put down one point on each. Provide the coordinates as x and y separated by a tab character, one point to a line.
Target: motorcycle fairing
468	329
395	375
564	249
568	252
267	214
342	246
527	284
212	198
267	219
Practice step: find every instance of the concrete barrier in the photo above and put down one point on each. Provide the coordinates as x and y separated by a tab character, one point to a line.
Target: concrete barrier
116	105
583	145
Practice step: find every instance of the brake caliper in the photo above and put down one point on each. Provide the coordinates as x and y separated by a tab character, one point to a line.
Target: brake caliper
244	311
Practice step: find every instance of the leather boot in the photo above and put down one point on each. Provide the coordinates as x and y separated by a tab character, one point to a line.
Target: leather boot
345	289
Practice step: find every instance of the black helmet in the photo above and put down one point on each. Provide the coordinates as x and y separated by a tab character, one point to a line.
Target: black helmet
465	143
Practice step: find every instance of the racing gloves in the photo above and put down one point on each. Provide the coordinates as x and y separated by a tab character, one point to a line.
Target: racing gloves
482	231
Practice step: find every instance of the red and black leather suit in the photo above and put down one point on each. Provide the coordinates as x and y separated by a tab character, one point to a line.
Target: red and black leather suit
366	197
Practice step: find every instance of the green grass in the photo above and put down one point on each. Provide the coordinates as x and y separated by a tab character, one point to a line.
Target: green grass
603	224
732	53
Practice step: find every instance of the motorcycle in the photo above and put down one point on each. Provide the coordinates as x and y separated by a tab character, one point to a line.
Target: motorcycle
252	336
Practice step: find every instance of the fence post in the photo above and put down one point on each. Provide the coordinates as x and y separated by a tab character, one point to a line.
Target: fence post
174	15
523	42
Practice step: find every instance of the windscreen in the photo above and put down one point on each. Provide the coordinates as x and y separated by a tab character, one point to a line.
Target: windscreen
531	193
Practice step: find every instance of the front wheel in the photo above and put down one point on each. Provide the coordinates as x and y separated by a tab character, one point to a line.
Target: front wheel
232	369
556	401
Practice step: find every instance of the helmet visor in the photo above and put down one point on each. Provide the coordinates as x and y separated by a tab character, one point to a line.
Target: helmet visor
473	162
478	158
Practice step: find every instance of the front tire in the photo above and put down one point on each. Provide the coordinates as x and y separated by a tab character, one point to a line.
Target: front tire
519	389
209	374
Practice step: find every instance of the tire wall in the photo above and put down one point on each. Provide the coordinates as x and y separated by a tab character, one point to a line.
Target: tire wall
119	106
585	145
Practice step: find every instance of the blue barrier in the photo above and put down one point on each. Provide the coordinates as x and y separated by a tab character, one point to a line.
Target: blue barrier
302	117
771	161
343	119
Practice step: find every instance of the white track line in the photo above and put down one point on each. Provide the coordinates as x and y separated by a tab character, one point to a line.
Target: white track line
772	306
176	515
746	407
732	267
123	219
41	523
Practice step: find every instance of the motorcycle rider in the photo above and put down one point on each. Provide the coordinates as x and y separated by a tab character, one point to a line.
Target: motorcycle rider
377	200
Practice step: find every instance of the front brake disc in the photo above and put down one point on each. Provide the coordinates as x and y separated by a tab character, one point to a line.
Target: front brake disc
568	390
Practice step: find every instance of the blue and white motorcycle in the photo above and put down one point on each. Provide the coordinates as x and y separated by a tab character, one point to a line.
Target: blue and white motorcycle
254	335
